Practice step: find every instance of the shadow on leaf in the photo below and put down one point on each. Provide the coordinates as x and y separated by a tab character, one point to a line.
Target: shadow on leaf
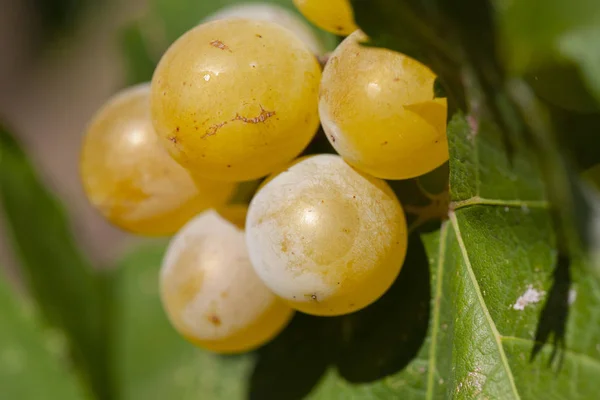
365	346
385	337
290	366
553	318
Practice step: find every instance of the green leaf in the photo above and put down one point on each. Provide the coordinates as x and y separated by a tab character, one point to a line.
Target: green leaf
31	364
581	46
533	30
499	246
69	295
578	136
139	59
554	34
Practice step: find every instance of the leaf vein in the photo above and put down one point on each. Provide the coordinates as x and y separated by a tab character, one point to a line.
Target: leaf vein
497	336
436	311
479	201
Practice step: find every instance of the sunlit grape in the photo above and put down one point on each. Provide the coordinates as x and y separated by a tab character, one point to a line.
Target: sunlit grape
272	13
335	16
326	238
378	110
211	293
235	99
131	179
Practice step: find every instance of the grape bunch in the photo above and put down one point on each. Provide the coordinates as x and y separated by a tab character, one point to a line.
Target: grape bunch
239	98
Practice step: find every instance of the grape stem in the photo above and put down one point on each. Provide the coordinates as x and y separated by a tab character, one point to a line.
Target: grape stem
437	208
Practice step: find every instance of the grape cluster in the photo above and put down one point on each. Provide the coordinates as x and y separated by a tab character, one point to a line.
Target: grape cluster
239	98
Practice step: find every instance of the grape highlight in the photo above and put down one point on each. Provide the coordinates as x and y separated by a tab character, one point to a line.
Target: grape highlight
131	179
326	238
378	110
235	99
210	292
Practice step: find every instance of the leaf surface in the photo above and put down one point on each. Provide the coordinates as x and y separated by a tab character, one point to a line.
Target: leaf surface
70	296
31	361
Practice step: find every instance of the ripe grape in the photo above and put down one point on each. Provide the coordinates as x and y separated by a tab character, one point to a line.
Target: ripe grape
131	179
326	238
210	292
235	99
378	110
272	13
335	16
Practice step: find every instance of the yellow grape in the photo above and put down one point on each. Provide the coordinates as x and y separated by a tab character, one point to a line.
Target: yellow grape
210	292
131	179
335	16
378	110
273	13
236	99
326	238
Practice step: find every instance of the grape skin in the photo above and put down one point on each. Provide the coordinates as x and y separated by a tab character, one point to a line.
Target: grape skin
272	13
210	292
326	238
335	16
131	179
378	110
235	99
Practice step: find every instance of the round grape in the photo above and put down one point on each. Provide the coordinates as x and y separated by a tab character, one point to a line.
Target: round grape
335	16
131	179
210	292
272	13
236	99
378	110
326	238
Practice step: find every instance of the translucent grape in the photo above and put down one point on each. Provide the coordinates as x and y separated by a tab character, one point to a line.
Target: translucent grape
236	99
272	13
131	179
326	238
210	292
335	16
378	110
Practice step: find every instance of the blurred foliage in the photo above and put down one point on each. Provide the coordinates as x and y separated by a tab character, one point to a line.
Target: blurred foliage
59	17
71	297
31	365
140	61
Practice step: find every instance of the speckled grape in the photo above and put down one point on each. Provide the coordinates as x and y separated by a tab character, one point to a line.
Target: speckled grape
326	238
